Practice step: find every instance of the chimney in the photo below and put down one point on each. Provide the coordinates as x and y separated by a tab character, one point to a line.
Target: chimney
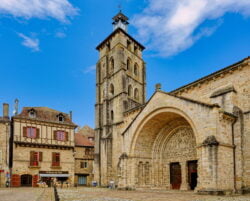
70	115
16	106
6	111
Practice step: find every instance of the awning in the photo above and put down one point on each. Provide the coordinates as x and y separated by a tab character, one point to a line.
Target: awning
54	175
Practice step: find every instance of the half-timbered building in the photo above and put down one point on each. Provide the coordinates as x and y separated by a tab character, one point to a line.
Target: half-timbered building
43	147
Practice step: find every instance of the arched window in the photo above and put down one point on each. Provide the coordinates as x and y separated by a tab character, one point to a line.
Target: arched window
112	115
112	90
136	94
130	90
136	68
128	64
112	65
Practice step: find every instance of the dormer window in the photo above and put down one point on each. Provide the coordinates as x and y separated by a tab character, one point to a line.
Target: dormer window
91	139
32	113
60	118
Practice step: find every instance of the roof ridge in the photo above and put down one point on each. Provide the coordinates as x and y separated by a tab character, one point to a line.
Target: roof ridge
227	68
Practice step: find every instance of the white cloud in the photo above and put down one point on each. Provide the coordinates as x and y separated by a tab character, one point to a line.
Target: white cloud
171	26
32	43
89	69
60	34
58	9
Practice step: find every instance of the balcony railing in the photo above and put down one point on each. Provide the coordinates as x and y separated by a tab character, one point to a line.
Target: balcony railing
45	141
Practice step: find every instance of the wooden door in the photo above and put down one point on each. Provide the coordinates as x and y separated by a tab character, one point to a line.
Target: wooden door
175	175
192	174
15	180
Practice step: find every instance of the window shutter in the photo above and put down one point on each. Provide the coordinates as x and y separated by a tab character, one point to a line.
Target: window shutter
58	157
67	136
37	133
54	135
32	156
24	131
53	157
40	156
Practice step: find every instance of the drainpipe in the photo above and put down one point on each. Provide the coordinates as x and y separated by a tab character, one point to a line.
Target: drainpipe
234	152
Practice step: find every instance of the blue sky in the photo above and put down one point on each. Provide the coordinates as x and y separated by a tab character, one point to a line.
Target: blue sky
48	49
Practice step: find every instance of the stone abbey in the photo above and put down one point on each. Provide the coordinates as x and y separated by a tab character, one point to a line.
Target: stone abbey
195	137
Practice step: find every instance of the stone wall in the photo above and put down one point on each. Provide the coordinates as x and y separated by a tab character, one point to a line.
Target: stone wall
80	157
4	150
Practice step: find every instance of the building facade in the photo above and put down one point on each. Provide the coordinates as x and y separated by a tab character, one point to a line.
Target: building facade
84	159
195	137
43	147
5	127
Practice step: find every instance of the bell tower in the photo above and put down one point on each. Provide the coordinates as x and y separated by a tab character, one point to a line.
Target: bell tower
120	86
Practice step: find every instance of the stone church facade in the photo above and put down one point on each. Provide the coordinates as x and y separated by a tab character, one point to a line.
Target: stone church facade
195	137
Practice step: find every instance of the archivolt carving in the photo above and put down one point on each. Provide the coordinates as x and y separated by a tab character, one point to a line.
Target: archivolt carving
181	143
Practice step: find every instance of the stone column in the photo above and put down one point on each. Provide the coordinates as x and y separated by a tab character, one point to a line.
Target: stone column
167	177
184	176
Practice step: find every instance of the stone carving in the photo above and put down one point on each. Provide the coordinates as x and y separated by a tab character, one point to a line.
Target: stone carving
180	144
210	141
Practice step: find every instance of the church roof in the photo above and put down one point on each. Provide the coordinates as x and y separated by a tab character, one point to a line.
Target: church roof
117	31
212	75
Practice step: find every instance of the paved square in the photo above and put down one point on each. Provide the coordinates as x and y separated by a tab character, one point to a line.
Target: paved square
26	194
102	194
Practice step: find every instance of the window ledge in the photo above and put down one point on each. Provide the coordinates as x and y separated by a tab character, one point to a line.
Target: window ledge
56	167
35	167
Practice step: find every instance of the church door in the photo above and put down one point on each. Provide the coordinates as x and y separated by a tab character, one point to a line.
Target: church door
175	175
192	174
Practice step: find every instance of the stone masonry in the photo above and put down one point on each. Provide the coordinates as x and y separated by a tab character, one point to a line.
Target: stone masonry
195	137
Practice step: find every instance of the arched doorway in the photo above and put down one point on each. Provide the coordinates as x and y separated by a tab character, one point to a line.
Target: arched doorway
26	180
163	150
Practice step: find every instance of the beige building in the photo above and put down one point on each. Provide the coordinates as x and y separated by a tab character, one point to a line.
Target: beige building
43	147
4	145
84	157
195	137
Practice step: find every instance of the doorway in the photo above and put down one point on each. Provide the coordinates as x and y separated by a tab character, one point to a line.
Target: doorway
192	174
175	175
26	180
82	180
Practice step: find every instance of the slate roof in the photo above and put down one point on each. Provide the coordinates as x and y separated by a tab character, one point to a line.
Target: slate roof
44	114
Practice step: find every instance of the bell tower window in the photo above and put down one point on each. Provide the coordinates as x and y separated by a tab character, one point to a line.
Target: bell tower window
128	64
112	65
112	115
112	90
